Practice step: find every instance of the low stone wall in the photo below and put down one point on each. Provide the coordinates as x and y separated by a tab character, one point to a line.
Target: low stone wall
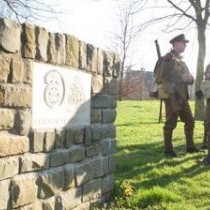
69	168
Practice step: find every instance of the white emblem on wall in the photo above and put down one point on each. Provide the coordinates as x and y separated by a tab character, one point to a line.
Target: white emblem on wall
61	97
54	90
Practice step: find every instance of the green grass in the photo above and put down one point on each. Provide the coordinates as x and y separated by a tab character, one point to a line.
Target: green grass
145	179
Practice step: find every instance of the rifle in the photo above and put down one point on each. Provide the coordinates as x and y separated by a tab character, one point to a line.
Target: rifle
158	49
161	100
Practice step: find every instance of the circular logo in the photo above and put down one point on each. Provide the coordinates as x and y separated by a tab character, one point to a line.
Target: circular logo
54	90
76	95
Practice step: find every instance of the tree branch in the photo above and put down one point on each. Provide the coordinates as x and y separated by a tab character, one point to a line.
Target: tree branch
181	10
28	9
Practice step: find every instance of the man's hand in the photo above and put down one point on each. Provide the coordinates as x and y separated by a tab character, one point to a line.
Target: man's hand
199	94
188	78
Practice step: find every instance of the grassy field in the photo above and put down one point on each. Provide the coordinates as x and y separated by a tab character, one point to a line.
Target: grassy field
145	179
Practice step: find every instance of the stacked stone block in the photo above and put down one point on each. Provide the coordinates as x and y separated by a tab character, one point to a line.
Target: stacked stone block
69	168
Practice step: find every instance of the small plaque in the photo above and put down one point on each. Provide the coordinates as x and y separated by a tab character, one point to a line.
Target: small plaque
61	97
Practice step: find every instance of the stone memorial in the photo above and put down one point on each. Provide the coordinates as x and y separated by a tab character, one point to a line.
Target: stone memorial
57	111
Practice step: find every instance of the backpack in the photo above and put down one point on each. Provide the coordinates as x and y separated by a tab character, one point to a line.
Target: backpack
158	72
161	94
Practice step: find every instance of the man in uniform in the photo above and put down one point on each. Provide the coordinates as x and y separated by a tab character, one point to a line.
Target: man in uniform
205	87
176	78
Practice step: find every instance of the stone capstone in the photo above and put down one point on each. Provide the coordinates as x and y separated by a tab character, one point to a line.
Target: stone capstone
10	35
72	51
28	40
42	44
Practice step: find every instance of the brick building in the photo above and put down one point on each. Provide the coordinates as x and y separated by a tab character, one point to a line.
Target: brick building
137	84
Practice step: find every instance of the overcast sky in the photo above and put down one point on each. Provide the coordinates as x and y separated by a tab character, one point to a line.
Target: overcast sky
93	20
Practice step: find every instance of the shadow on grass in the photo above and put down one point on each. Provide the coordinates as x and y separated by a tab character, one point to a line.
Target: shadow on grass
148	122
147	160
135	124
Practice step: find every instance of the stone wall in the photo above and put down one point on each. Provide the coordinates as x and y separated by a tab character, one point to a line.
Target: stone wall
70	168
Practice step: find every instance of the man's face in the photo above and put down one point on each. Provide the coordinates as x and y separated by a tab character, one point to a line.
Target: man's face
179	46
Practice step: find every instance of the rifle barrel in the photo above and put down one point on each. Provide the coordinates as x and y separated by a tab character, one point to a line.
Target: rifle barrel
158	49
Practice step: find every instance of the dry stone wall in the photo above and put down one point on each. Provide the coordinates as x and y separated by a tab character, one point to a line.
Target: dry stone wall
69	168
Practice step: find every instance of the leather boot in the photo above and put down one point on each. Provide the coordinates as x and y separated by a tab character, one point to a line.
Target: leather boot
208	143
168	140
168	147
204	143
206	159
190	146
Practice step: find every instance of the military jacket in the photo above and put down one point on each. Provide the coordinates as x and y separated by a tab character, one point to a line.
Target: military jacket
205	85
173	69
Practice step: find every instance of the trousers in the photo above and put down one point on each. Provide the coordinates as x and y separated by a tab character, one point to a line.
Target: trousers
185	115
207	126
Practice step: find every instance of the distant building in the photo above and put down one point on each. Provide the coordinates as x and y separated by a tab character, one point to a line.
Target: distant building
137	84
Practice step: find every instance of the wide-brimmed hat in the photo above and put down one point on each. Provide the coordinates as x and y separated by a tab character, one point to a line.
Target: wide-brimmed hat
179	38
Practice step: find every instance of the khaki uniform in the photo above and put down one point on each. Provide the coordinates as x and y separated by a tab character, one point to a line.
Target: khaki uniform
173	69
207	126
205	87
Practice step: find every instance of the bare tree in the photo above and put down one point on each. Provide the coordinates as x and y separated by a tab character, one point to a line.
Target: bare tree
28	10
181	15
125	35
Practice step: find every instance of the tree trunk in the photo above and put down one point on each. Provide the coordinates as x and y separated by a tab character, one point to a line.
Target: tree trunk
199	103
120	84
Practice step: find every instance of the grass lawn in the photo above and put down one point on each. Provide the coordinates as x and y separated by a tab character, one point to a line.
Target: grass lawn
145	179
